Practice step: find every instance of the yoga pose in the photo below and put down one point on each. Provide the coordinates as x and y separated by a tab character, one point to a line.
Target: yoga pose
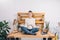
30	27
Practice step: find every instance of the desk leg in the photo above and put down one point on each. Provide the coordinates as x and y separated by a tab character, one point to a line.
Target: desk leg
44	38
13	38
10	38
49	38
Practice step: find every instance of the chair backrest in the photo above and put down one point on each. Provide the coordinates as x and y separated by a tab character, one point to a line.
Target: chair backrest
38	16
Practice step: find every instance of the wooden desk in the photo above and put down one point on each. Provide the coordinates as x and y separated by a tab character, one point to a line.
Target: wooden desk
39	35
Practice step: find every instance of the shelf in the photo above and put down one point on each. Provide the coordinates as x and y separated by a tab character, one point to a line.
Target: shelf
37	22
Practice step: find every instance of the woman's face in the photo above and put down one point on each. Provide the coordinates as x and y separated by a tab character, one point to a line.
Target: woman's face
30	14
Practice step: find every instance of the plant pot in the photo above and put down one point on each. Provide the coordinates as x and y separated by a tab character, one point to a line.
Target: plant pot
45	31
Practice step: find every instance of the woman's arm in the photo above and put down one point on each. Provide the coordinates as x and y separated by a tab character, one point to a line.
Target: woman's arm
25	22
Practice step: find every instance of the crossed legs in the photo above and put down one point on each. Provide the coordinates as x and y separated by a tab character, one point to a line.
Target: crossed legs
29	31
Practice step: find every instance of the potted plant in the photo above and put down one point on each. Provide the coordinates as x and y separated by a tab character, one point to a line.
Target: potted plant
47	27
4	29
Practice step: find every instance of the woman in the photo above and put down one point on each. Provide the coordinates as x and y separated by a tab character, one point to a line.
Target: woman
29	27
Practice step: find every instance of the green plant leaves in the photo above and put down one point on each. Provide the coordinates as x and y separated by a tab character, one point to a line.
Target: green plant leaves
47	25
7	30
4	28
1	24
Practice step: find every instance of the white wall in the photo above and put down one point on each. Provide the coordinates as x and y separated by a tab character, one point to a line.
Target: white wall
9	9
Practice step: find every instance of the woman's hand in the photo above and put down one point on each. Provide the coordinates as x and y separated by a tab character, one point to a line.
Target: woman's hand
30	25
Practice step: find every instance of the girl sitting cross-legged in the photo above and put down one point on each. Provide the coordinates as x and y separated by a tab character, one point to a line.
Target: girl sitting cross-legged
29	27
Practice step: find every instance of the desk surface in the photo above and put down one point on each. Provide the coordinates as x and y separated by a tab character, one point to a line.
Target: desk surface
39	35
